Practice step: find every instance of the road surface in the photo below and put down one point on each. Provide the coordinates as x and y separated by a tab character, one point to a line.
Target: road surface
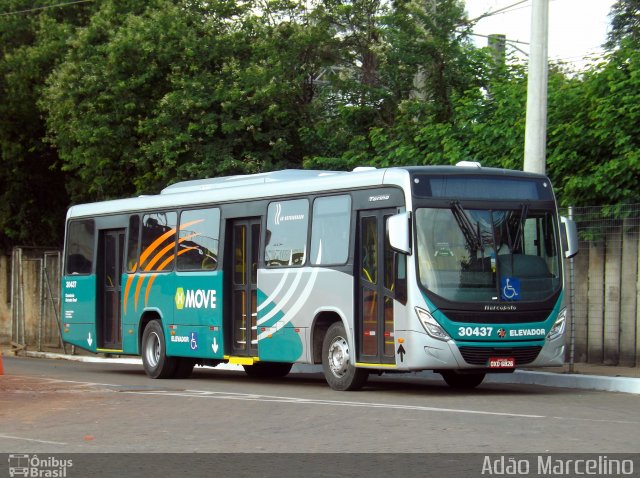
62	406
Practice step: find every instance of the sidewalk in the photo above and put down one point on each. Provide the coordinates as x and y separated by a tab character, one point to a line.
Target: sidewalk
598	369
584	376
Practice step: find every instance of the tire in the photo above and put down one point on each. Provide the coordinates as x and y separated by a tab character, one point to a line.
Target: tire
462	381
338	361
268	369
184	367
154	352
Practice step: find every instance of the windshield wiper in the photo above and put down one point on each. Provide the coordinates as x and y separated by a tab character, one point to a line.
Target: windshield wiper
524	210
472	236
523	217
512	244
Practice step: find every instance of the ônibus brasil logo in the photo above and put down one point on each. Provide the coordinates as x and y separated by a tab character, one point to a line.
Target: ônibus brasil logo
34	466
195	298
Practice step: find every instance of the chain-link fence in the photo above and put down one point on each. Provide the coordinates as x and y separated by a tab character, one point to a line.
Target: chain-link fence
606	287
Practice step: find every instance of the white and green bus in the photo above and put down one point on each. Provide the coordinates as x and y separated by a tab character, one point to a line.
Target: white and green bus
455	269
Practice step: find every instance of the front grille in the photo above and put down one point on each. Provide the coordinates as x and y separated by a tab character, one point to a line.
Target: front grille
502	317
481	355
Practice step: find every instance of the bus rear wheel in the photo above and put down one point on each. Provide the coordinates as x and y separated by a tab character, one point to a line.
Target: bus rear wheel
462	381
154	352
268	369
338	361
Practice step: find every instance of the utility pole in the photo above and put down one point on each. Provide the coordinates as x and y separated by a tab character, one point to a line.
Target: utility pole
498	45
535	139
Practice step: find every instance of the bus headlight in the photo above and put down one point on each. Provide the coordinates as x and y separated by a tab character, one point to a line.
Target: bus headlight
432	327
558	326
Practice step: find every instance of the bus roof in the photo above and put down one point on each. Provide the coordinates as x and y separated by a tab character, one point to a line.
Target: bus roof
275	184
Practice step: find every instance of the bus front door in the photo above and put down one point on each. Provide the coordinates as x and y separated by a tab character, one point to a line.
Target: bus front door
244	248
109	324
376	291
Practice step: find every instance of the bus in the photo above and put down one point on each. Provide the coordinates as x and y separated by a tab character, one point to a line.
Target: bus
454	269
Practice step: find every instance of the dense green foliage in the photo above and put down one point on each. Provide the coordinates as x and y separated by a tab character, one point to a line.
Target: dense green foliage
113	98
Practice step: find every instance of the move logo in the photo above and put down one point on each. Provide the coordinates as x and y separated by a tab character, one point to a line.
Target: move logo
195	298
179	298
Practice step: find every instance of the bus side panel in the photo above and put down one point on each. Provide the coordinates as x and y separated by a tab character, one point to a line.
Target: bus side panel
79	311
196	328
191	314
145	293
288	301
278	339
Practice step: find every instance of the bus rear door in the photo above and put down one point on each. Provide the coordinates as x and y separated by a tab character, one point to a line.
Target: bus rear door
109	320
243	283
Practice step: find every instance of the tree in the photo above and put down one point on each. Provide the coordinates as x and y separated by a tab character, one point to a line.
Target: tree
625	23
429	54
423	61
107	83
252	97
183	90
32	192
605	166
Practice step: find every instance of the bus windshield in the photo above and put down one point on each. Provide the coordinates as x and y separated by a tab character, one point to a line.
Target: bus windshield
484	255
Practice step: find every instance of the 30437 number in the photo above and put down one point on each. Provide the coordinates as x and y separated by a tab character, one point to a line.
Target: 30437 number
475	331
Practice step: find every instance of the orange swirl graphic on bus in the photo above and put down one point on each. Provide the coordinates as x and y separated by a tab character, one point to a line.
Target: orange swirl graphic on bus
151	256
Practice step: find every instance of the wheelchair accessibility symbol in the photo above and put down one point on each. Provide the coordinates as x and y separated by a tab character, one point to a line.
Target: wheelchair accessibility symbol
510	288
193	342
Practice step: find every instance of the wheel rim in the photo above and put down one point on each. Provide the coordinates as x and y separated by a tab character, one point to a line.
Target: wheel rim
152	349
339	357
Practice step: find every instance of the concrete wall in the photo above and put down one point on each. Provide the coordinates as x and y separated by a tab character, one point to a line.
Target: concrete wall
31	300
5	292
607	297
20	313
581	306
595	301
629	297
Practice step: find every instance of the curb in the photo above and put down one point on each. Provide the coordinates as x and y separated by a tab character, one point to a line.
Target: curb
566	380
524	377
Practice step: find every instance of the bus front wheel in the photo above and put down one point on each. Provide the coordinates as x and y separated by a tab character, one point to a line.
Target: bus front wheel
154	352
338	361
462	381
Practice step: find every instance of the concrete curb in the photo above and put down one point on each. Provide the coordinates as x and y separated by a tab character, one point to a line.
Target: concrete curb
565	380
526	377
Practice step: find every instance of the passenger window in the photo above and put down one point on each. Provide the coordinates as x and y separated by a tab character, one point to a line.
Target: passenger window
80	243
133	243
158	241
330	229
198	240
369	233
287	227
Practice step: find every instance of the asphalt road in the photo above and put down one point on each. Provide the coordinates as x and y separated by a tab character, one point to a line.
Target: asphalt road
59	406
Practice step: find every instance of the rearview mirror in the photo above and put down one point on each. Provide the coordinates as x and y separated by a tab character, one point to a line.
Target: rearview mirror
569	236
399	227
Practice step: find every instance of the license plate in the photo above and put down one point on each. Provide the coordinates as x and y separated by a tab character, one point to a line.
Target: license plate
502	362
